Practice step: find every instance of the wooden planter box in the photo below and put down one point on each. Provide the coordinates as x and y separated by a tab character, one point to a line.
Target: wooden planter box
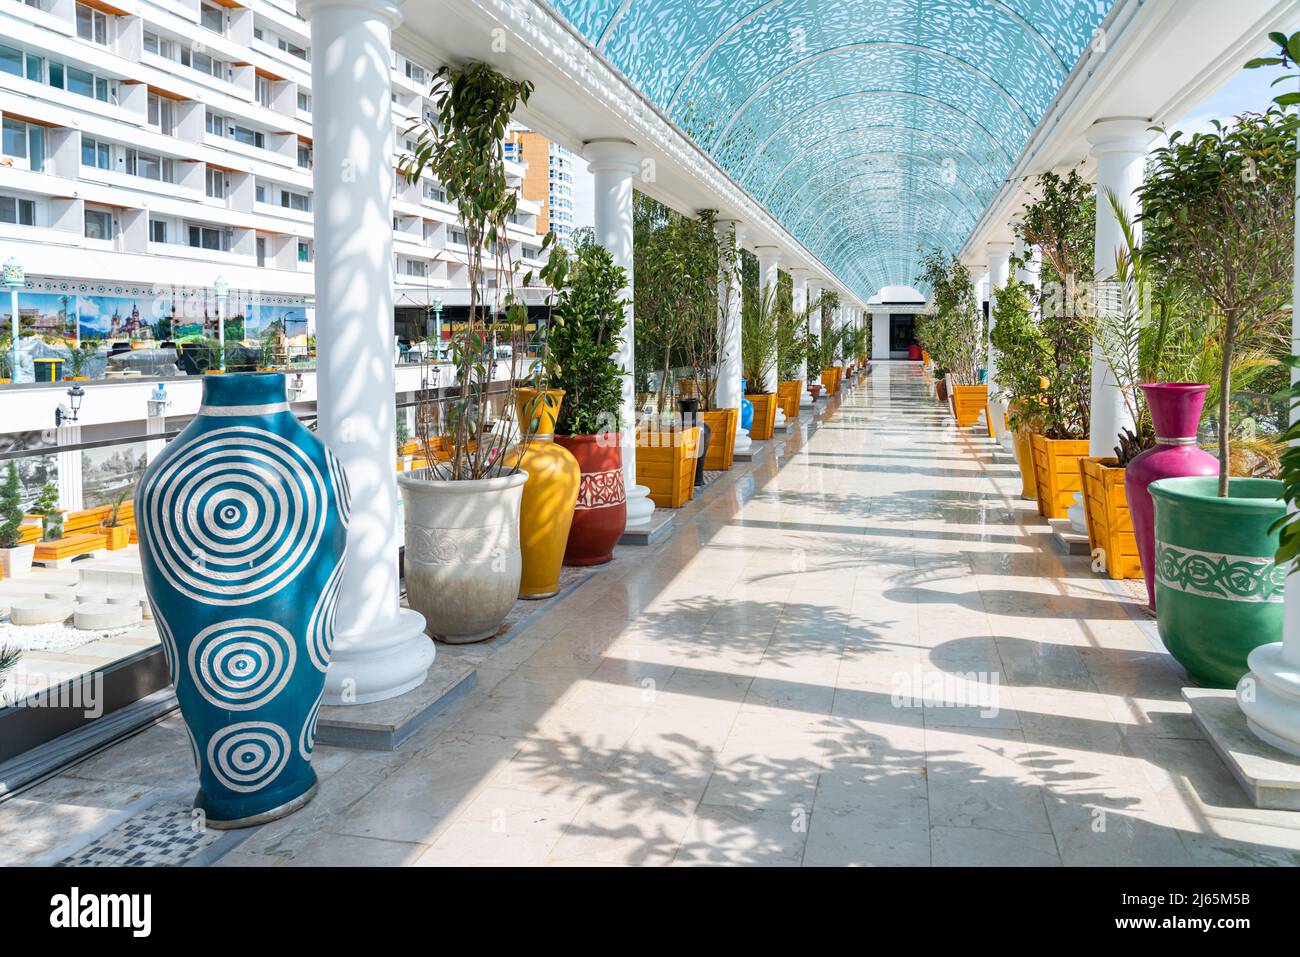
764	423
831	380
722	440
789	391
968	401
1109	526
1056	473
665	464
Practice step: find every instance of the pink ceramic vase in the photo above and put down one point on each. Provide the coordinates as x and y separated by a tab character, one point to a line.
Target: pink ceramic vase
1175	412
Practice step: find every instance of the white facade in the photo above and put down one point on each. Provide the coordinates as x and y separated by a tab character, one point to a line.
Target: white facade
172	143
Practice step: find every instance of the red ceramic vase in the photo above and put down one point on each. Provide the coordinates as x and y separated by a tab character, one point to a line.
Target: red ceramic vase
601	513
1175	412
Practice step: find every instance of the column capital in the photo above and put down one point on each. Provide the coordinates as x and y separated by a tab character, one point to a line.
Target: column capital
1120	135
389	10
617	156
722	226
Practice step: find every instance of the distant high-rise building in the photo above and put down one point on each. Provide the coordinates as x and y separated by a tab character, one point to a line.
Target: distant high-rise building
548	179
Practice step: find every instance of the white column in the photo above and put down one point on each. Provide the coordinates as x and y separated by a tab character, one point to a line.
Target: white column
728	389
613	163
1269	694
814	329
1120	147
380	648
71	480
999	274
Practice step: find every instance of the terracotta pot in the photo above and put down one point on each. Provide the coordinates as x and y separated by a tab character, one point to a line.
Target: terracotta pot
1175	412
601	512
550	494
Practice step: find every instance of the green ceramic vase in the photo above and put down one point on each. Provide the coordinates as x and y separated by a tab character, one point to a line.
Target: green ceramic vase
1218	592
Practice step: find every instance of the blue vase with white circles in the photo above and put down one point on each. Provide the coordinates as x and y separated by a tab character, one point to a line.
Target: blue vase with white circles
746	407
242	522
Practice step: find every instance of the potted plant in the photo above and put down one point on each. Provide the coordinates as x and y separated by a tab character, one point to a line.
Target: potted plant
117	533
1218	208
79	359
15	557
1021	350
1061	223
759	323
957	326
791	352
829	342
47	507
583	347
462	563
551	491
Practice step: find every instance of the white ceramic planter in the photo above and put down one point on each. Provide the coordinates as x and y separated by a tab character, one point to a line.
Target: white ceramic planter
462	553
17	561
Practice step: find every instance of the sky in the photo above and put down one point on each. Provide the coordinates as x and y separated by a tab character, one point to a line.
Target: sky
1248	91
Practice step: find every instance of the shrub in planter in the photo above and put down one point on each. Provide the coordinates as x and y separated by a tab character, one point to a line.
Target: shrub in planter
758	345
1219	214
15	558
583	343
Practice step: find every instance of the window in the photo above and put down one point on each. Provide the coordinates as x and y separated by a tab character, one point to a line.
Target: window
434	193
25	141
99	224
456	236
148	165
304	102
11	60
216	184
96	153
205	64
212	17
292	200
214	124
304	251
416	267
35	68
151	43
304	156
259	192
414	72
19	212
92	24
292	49
157	231
161	116
261	250
242	134
209	237
85	83
263	91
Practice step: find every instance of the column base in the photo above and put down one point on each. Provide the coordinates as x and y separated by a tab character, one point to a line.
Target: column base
742	443
998	410
1078	518
779	421
806	400
1269	697
370	666
640	507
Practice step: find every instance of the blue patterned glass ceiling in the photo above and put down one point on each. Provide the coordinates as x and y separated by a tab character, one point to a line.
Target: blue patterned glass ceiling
866	127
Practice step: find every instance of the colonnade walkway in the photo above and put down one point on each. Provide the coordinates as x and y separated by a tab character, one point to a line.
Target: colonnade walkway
864	650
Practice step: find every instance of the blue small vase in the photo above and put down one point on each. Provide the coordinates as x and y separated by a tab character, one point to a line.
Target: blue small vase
746	407
242	522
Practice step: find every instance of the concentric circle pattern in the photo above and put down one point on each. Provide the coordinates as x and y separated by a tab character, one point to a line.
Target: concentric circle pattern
241	664
247	757
320	628
234	515
307	736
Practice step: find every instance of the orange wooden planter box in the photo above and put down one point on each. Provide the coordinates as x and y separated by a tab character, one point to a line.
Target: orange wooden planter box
1056	473
831	380
722	439
1110	527
764	423
789	391
665	464
968	401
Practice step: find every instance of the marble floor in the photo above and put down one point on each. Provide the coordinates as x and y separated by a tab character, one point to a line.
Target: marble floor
862	649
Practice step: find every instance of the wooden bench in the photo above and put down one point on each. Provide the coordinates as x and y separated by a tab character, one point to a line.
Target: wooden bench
61	551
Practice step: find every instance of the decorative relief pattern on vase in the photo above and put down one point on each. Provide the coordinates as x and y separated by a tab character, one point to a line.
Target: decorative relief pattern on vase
457	546
1215	575
601	489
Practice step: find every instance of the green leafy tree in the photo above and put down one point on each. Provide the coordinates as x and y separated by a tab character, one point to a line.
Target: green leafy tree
583	342
11	508
1219	216
1021	350
759	322
956	327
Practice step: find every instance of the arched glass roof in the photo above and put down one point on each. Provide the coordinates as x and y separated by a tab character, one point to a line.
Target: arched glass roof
866	127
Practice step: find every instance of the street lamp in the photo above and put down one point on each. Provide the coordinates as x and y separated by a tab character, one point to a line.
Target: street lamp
15	279
222	289
437	328
64	415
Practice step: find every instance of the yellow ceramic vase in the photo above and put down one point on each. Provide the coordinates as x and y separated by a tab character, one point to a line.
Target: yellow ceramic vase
550	493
